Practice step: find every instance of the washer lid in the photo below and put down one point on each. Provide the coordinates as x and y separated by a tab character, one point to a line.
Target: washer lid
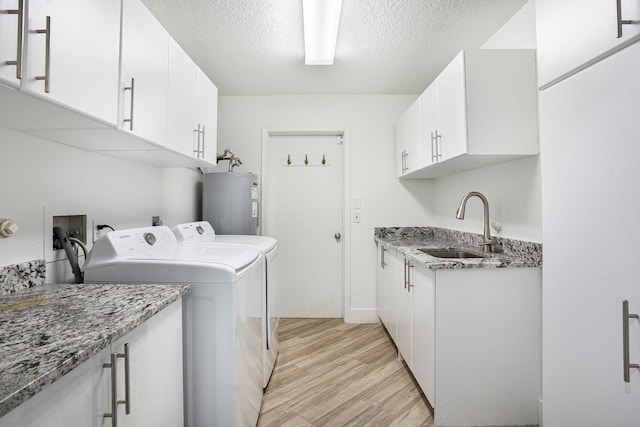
155	248
201	232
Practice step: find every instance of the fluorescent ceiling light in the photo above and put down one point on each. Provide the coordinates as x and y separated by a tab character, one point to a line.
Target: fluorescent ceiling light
321	19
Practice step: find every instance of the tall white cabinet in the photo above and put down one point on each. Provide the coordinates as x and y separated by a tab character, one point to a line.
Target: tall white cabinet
576	31
589	133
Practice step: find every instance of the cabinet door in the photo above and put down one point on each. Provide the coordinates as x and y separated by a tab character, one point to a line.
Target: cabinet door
386	291
145	62
395	268
429	140
382	279
401	144
207	117
423	331
183	99
75	400
590	122
10	48
452	109
164	367
83	54
403	299
572	32
137	343
412	161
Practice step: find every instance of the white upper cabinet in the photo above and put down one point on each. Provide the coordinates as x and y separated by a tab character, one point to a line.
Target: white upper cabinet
207	115
11	19
192	122
452	109
481	110
144	73
431	150
72	55
408	147
401	140
183	97
573	32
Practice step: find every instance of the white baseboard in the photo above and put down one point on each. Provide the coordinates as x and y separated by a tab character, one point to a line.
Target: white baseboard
361	315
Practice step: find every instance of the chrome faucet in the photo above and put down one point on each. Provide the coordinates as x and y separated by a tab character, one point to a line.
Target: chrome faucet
488	240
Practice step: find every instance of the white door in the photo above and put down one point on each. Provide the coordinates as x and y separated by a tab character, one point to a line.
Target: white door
305	215
589	142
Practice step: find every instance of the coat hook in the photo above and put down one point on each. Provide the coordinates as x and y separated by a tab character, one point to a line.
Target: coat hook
324	161
288	159
306	159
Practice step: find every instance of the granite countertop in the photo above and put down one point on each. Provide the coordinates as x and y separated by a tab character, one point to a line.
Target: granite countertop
406	241
48	330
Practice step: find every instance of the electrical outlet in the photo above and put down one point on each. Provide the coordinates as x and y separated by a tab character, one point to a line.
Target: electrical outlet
356	215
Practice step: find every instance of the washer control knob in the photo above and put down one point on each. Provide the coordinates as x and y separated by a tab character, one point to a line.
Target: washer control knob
150	238
200	230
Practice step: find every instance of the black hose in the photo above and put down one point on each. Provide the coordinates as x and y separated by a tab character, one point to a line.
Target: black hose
61	235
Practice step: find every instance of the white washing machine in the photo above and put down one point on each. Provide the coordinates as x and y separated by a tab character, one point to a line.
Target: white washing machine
222	315
202	233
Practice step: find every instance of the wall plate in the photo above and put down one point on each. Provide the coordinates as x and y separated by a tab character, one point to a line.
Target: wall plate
51	255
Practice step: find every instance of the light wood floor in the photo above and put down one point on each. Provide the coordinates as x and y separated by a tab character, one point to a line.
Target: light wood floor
330	373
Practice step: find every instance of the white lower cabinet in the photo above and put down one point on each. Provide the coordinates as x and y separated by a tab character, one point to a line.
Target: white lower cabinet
83	396
387	267
423	330
472	340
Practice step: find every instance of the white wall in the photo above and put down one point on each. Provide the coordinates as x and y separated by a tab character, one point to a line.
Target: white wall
385	200
35	173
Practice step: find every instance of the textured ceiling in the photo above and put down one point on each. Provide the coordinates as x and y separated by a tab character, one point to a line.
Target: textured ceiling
256	47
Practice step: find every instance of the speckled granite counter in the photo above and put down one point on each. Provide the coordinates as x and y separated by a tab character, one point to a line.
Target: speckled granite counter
49	330
407	240
19	277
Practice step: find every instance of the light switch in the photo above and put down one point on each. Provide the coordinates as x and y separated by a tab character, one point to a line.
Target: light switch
356	215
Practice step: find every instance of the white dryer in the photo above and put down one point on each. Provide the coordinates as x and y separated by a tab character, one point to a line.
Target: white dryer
202	233
222	315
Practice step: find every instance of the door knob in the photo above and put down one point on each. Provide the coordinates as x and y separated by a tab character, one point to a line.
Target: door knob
338	236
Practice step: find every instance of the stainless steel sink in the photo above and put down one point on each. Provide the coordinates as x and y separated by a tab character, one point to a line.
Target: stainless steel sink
449	253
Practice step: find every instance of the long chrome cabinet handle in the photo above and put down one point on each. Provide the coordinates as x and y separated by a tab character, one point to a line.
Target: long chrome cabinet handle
203	142
127	381
199	150
621	21
114	385
196	150
132	89
625	341
436	152
405	273
382	251
114	390
47	54
409	267
18	62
